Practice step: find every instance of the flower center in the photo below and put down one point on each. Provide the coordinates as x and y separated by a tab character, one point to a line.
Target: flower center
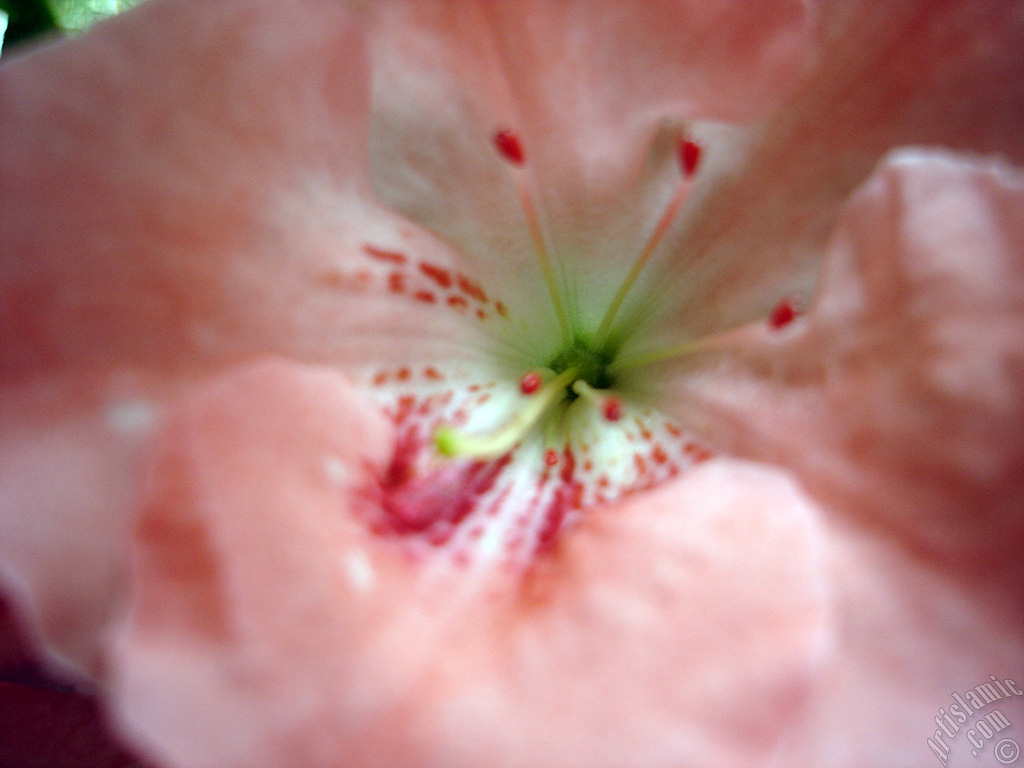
577	429
578	371
590	364
583	368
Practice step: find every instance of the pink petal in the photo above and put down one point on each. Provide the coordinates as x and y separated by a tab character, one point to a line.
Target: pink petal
897	401
890	74
898	396
597	93
69	478
234	184
182	191
907	637
271	628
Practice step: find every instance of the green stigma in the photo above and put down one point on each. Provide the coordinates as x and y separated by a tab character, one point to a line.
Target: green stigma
451	443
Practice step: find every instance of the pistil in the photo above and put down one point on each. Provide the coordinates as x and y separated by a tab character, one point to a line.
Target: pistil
451	443
609	405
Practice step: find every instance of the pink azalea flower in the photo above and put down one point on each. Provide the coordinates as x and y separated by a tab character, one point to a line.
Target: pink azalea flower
513	384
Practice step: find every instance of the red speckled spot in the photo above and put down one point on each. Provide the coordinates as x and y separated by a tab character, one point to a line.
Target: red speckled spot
697	453
551	457
560	506
472	289
435	503
332	279
569	467
641	465
501	309
439	275
459	303
433	374
425	296
382	254
510	147
396	282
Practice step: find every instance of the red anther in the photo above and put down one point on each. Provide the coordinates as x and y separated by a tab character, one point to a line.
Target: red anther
530	383
613	409
510	147
785	312
551	457
689	157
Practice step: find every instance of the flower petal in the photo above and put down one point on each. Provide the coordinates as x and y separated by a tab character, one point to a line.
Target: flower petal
183	190
271	627
235	183
897	401
918	330
890	74
68	482
597	93
907	637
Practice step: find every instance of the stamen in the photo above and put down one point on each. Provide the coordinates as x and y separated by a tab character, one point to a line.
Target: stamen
545	261
613	409
785	312
451	443
624	362
689	156
511	148
530	383
714	341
